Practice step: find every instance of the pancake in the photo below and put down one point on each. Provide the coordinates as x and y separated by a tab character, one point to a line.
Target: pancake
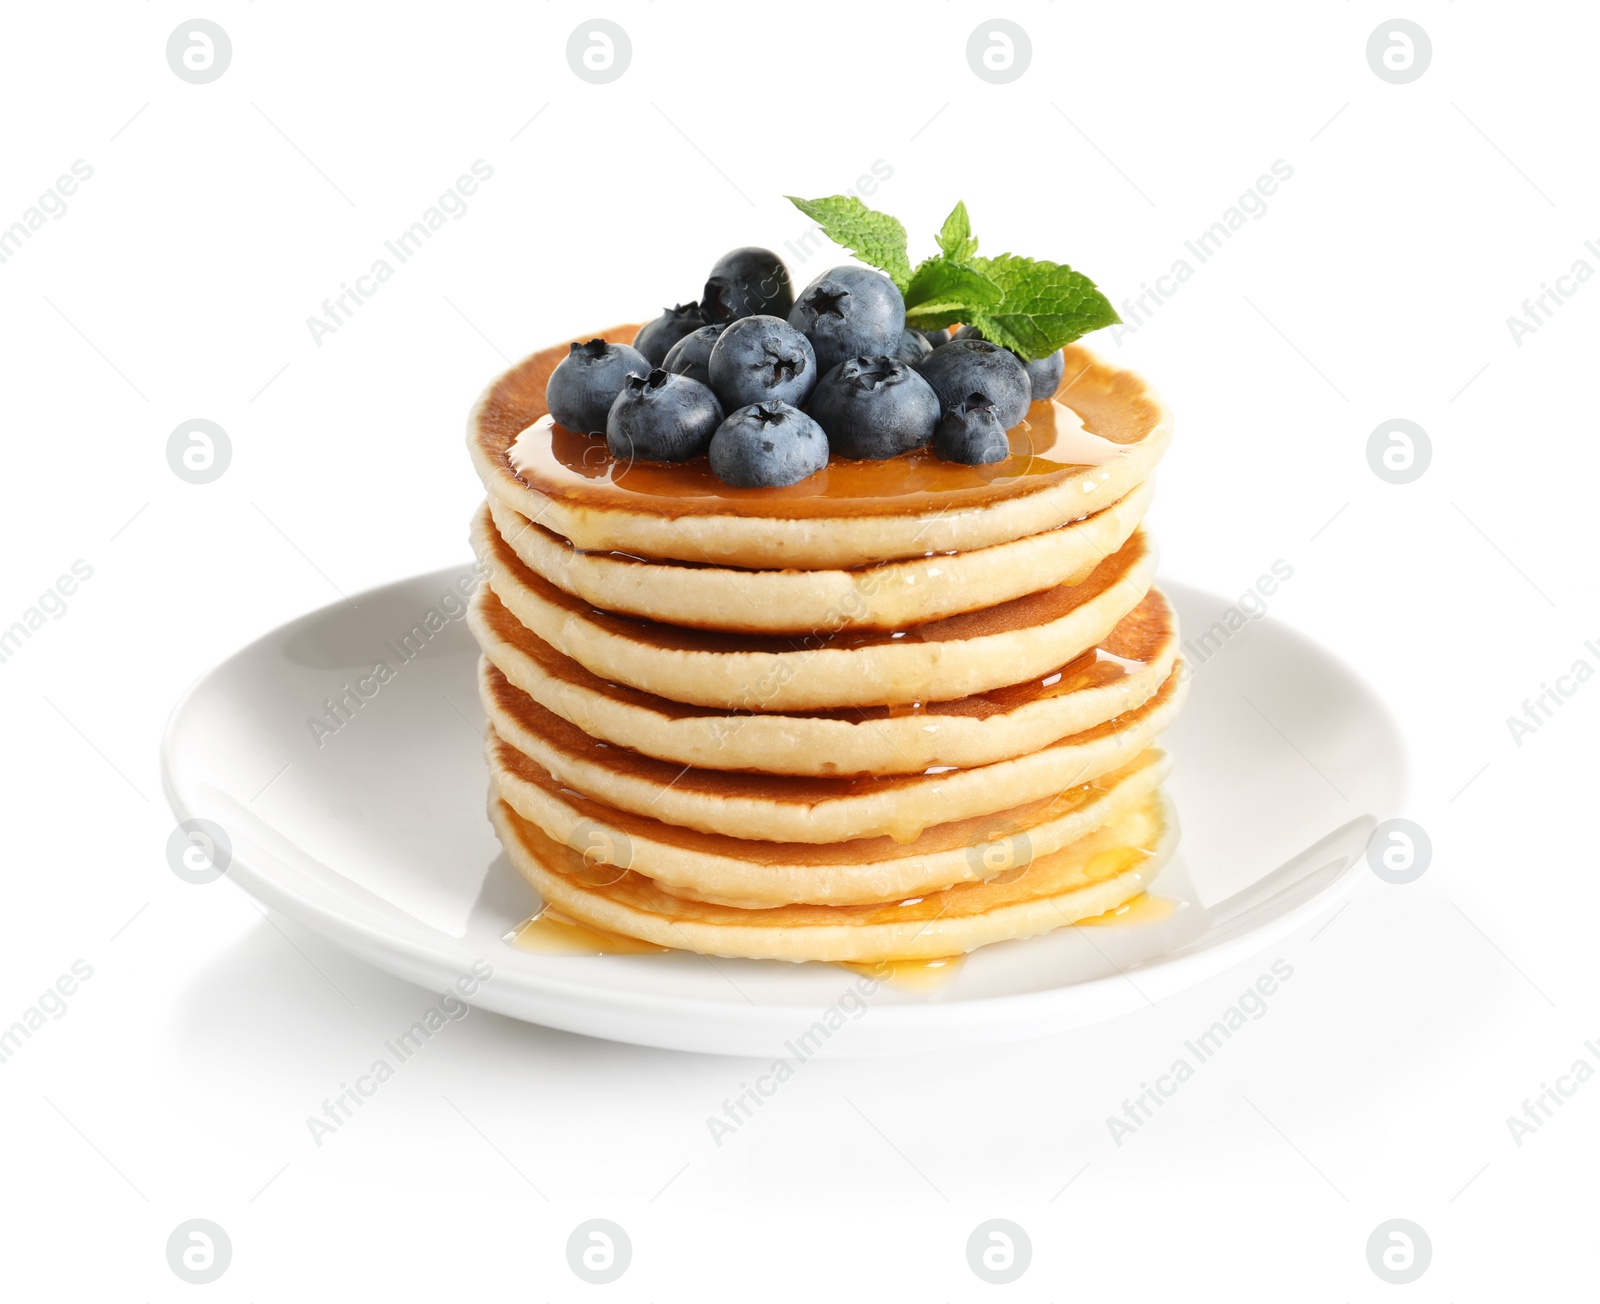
791	808
1066	463
1096	873
937	661
888	596
1119	674
753	874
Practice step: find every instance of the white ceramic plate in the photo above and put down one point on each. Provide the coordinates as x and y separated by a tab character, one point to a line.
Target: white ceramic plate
373	834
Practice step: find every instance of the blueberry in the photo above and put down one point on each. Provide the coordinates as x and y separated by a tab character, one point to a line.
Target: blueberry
662	417
850	312
875	407
580	390
656	337
913	347
745	283
936	338
968	366
970	432
762	360
688	357
1044	374
767	445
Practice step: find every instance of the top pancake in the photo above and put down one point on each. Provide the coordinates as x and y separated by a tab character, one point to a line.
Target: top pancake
851	513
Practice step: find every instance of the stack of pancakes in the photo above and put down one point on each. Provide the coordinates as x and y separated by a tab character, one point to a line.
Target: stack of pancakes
900	710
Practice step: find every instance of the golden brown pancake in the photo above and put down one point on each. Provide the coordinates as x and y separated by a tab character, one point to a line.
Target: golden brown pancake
794	808
791	601
1116	676
934	661
850	513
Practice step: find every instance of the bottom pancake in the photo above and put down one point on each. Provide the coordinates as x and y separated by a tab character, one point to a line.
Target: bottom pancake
1096	873
759	873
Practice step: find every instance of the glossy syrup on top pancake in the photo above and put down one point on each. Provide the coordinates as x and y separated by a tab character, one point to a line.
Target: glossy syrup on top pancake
1049	445
1109	412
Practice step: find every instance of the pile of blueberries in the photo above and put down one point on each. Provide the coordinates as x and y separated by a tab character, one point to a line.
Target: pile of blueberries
769	384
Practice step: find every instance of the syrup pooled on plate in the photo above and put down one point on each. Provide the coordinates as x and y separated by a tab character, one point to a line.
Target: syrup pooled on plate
1140	909
912	975
549	932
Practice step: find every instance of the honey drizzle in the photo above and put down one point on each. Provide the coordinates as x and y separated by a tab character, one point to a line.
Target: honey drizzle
1139	909
1052	445
911	975
549	932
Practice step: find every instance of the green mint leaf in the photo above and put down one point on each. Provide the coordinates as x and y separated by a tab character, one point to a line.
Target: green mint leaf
955	236
1043	305
871	236
941	281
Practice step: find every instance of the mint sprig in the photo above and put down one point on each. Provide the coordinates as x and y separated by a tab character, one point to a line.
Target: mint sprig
1023	304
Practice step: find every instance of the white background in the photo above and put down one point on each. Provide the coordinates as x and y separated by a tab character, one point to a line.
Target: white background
1377	285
